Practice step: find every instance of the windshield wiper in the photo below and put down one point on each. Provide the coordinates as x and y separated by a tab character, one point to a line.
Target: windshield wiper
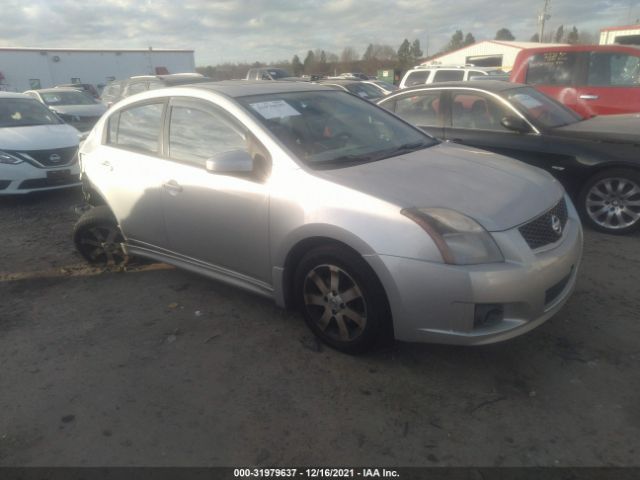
402	149
343	160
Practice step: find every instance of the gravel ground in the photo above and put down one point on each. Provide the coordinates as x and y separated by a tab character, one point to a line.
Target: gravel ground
157	366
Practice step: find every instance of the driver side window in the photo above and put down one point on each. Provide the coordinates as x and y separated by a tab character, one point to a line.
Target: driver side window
475	111
197	134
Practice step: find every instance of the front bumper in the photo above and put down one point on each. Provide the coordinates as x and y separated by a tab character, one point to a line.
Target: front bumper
26	178
435	302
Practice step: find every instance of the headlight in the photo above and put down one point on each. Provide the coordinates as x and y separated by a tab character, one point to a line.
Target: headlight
8	159
461	240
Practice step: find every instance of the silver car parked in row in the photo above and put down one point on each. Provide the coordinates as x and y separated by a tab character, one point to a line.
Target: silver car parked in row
325	202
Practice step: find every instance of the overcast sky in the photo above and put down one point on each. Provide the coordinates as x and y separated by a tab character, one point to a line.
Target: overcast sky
268	30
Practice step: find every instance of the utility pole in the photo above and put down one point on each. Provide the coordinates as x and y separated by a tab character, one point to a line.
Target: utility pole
542	18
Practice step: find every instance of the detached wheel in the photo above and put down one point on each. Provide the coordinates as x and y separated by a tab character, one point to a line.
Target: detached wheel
98	238
610	201
341	299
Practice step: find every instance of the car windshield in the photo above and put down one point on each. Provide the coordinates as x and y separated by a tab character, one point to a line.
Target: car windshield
67	98
276	73
25	112
333	129
541	110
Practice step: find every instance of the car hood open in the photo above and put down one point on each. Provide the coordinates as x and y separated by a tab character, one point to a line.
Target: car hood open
497	192
605	128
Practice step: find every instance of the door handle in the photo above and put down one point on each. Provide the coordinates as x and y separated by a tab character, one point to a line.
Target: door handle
172	187
589	97
107	164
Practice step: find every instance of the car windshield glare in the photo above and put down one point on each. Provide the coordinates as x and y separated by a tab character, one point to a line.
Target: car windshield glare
19	112
541	110
67	98
332	129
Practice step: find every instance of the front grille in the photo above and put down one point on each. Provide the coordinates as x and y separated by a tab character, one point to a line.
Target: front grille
58	157
49	182
547	228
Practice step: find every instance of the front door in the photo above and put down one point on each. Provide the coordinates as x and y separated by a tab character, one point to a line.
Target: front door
222	220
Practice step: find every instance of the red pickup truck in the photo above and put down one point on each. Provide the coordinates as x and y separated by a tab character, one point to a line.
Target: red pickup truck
590	79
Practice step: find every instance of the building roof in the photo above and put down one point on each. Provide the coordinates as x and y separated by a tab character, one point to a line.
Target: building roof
93	50
516	45
622	27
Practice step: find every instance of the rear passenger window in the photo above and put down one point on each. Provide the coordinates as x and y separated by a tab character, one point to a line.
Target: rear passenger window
613	69
552	68
476	111
138	128
448	76
422	110
417	78
196	135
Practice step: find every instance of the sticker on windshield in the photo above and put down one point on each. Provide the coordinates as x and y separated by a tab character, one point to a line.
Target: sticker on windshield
527	101
274	109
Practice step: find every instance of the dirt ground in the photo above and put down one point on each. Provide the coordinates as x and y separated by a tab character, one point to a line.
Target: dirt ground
158	366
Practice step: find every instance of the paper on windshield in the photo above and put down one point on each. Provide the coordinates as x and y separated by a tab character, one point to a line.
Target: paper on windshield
274	109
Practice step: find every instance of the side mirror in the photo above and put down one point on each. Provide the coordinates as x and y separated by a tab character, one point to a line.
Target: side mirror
516	124
233	162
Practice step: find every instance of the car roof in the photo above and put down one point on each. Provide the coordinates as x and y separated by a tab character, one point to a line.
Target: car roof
14	95
488	85
243	88
340	82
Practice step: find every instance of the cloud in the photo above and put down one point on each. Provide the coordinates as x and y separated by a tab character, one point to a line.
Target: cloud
266	30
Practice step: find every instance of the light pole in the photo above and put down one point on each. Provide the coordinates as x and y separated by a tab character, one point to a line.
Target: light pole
542	18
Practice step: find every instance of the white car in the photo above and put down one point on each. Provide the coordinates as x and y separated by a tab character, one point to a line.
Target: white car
73	106
38	151
445	73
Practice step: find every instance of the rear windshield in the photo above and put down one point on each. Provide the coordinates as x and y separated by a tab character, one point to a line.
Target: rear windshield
67	98
332	129
25	112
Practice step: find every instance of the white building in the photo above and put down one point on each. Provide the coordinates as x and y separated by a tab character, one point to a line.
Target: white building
30	68
625	35
488	53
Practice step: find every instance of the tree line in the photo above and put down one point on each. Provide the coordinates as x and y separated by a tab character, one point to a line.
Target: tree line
381	56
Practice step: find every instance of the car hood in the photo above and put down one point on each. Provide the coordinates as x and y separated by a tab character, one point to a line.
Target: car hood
95	110
497	192
605	128
39	137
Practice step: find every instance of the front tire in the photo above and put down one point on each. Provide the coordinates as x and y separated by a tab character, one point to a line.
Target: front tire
610	201
98	238
341	299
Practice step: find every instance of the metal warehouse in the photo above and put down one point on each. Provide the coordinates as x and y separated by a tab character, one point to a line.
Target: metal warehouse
488	53
31	68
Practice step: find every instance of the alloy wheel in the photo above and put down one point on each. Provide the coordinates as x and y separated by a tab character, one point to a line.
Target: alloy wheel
103	244
335	303
614	203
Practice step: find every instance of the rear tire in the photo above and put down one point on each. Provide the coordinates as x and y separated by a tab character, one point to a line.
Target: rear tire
98	238
341	299
610	201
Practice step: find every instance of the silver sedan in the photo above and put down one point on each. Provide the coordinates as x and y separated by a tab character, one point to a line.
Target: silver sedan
327	203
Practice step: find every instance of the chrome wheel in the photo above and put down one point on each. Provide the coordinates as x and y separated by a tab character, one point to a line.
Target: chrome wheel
335	303
102	244
614	203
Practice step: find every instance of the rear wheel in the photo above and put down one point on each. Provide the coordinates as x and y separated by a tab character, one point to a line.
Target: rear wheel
610	201
99	239
341	299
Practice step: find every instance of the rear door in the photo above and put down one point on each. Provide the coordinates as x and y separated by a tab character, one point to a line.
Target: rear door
612	83
557	74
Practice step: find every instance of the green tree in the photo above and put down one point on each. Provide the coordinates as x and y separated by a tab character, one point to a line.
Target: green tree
573	36
456	42
309	62
404	54
296	66
469	39
504	34
559	34
368	53
535	38
415	51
